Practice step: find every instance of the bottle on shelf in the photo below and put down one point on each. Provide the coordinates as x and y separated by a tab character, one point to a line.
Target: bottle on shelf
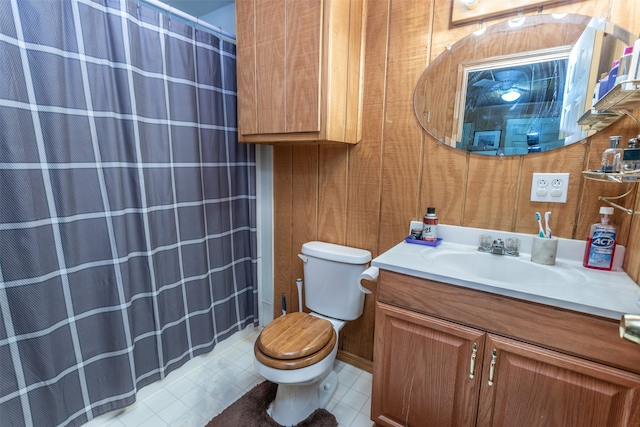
430	225
612	156
611	81
635	58
631	156
601	245
603	85
625	63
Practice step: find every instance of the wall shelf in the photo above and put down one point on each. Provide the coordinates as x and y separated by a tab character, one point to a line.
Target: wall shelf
598	119
622	97
612	177
623	177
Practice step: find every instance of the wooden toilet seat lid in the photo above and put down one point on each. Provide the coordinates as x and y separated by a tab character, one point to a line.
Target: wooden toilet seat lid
302	362
294	336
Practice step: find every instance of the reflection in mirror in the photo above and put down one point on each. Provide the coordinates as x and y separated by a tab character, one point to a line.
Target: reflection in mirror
518	90
523	92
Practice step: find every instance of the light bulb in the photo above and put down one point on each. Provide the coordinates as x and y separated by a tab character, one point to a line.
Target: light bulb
471	4
516	22
510	95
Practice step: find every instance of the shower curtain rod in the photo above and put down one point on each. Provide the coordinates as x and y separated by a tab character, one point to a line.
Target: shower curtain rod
176	12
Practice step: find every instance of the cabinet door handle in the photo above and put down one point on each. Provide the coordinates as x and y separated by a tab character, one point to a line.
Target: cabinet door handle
472	365
492	367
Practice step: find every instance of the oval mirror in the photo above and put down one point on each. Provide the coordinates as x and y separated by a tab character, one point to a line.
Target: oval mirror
520	86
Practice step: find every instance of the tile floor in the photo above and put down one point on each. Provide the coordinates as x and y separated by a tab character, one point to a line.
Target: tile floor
193	394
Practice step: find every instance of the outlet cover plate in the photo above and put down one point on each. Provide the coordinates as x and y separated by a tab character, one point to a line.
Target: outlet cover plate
549	187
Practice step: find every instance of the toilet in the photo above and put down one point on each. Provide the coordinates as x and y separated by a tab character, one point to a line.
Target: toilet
297	350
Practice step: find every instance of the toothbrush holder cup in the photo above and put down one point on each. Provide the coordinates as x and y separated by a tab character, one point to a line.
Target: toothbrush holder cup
544	250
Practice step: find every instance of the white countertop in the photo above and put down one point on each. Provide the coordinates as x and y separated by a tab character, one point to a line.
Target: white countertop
603	293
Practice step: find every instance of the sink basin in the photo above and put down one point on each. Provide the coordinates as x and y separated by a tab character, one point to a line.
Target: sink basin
499	268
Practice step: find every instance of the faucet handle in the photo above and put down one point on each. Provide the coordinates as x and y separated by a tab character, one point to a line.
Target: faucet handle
512	246
485	242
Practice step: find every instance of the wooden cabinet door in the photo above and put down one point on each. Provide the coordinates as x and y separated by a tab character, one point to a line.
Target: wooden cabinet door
533	387
299	66
421	370
278	66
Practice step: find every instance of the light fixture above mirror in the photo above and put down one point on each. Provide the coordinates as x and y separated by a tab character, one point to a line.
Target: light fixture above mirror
470	4
465	11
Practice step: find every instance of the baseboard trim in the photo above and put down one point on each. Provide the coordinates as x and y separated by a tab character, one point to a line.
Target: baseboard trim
358	362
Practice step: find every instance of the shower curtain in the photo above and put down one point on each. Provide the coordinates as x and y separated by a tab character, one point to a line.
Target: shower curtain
127	207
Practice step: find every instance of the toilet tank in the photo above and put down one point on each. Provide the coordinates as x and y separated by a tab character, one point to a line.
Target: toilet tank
331	275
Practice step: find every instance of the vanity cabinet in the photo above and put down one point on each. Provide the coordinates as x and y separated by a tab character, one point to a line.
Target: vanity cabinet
451	356
299	67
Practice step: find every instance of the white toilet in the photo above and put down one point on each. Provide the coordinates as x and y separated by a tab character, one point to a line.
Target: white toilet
297	350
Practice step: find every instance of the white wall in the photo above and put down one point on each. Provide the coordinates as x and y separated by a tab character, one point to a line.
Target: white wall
224	18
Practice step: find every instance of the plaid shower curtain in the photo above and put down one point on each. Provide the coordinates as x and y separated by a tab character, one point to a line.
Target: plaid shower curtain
127	207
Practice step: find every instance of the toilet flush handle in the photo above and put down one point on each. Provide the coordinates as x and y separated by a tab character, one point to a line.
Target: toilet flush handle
304	258
370	273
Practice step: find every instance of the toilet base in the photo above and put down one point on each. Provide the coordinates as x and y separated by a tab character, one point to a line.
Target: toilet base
294	403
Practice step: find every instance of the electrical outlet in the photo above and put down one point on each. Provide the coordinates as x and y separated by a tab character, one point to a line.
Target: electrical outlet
549	187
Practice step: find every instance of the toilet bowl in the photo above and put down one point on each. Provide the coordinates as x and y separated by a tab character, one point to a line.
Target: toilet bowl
297	351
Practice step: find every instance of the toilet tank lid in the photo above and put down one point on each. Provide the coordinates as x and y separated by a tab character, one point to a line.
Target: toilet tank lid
339	253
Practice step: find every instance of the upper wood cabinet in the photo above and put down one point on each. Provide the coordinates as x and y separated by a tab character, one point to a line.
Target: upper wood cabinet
299	67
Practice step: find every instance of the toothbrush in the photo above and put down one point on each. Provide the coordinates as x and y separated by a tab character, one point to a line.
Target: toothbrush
547	217
539	218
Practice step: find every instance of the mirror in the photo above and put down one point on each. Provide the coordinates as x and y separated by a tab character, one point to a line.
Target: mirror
519	86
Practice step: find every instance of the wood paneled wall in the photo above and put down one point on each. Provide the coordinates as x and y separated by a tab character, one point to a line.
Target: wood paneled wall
365	195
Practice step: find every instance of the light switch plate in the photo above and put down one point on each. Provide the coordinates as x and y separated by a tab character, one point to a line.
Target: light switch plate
549	187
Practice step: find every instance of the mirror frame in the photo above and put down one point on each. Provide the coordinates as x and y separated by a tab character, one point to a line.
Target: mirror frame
452	70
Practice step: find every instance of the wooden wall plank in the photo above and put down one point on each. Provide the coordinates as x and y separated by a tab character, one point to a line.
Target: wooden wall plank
332	193
625	13
493	205
282	224
364	182
365	160
305	179
402	133
444	173
632	263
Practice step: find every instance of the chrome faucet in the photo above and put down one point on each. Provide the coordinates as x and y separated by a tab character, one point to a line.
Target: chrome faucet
498	247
